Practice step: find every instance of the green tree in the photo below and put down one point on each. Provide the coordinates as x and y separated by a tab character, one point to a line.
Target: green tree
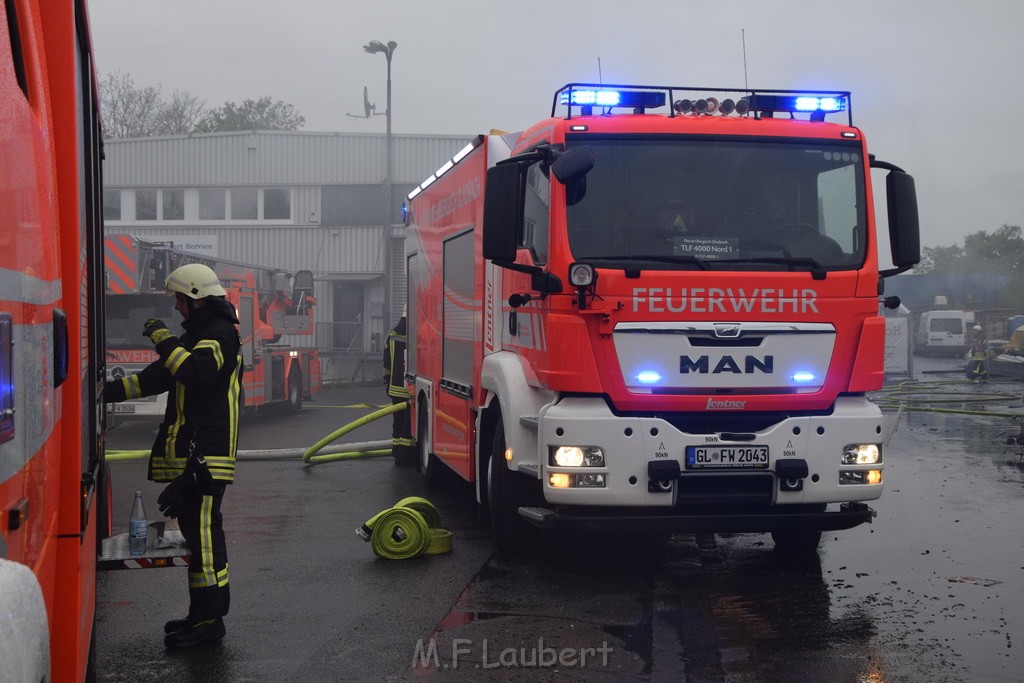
260	114
1000	251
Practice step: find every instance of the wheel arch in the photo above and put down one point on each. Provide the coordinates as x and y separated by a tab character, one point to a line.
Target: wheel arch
510	395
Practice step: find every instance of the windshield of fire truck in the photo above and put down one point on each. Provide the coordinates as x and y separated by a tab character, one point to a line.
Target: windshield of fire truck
718	204
127	314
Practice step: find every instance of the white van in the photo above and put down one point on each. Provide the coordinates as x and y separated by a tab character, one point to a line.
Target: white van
942	332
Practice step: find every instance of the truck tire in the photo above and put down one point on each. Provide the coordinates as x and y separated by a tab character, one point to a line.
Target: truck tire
295	391
507	491
426	462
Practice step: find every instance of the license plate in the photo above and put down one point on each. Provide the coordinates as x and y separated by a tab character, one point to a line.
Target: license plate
755	457
127	408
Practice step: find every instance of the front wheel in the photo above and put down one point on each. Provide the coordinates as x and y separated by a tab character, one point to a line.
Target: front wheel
507	491
426	462
295	391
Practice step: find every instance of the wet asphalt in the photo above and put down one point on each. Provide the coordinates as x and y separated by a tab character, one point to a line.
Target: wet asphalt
930	591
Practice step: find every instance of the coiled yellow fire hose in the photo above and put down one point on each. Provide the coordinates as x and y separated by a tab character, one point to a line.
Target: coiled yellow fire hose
409	529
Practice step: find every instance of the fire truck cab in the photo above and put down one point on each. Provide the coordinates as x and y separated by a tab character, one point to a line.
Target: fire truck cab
658	310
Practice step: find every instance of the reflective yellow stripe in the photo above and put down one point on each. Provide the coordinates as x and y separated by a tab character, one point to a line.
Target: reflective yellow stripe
222	468
234	409
175	359
198	579
206	540
171	444
214	346
132	388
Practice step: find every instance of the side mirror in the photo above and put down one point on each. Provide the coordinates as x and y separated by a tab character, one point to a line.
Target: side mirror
503	206
904	228
573	164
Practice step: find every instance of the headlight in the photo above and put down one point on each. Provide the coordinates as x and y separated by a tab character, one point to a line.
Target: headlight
586	480
862	454
576	456
855	478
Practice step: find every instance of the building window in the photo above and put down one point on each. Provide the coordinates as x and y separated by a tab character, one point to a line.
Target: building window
212	203
112	205
277	204
173	205
145	205
244	203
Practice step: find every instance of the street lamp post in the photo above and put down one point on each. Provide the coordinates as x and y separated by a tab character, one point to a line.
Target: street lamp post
388	50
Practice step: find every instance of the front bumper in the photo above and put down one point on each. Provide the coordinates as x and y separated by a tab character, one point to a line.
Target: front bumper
808	447
847	516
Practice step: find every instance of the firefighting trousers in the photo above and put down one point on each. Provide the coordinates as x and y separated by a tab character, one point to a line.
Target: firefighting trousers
401	436
203	528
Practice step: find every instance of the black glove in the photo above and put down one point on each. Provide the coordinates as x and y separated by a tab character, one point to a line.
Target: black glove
188	487
176	496
156	330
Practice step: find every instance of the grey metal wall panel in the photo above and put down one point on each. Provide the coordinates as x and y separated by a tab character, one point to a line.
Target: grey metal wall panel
323	250
273	158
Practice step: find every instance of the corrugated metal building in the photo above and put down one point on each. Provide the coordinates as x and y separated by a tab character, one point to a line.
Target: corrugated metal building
285	199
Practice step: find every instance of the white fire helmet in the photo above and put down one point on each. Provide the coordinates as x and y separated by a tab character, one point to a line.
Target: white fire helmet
195	281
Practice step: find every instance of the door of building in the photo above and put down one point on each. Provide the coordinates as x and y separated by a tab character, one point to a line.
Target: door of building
349	298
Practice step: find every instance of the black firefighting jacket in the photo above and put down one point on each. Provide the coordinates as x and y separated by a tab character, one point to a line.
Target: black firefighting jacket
394	361
202	374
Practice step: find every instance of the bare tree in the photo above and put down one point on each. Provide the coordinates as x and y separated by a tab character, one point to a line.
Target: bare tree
179	113
128	111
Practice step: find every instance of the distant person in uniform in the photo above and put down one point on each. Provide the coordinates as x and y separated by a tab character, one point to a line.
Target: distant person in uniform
403	446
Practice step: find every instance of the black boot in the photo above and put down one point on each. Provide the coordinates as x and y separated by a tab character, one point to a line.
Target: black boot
206	631
175	625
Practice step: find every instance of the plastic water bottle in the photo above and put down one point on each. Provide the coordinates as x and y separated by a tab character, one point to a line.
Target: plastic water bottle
138	527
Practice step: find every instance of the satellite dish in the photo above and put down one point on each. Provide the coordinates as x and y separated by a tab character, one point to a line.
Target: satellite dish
367	107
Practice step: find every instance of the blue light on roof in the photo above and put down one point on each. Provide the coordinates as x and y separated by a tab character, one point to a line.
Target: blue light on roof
826	104
648	377
600	98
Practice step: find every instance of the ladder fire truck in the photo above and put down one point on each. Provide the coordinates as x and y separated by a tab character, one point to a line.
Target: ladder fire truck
658	309
270	303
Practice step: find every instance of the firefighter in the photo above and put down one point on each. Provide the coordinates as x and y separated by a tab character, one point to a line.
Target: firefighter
977	367
403	446
196	442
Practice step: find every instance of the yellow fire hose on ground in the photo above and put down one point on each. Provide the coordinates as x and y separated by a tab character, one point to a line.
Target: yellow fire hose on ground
409	529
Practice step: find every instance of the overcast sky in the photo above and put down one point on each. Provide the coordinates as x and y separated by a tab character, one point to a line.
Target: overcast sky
937	85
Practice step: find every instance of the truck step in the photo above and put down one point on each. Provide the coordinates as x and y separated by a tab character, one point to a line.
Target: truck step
530	421
538	516
115	555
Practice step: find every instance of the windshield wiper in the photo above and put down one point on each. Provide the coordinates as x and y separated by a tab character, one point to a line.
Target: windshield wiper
781	260
817	271
660	258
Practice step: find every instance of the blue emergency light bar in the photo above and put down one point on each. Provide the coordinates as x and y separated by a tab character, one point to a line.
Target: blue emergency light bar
634	99
701	101
825	104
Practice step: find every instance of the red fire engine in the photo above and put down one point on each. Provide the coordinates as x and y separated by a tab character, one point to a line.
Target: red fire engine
270	303
658	310
54	502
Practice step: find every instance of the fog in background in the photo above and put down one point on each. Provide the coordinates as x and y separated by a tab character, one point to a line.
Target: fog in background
936	85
